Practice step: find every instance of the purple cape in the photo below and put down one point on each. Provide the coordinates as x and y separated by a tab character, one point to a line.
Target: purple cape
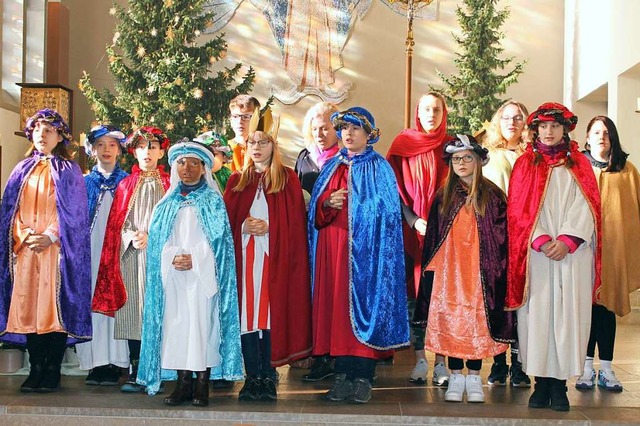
74	291
492	234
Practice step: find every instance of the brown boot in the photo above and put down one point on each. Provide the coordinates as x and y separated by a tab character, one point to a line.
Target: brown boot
184	389
201	392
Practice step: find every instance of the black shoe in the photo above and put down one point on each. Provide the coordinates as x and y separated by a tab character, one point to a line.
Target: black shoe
322	369
95	376
183	391
541	396
518	377
111	375
361	393
221	384
251	389
559	400
201	389
33	380
498	375
268	390
50	379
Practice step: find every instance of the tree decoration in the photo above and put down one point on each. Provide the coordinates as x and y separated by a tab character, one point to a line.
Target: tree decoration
165	78
472	95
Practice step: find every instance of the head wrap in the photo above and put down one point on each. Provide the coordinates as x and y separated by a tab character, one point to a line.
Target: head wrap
186	148
215	142
357	116
552	111
148	134
465	143
102	130
52	117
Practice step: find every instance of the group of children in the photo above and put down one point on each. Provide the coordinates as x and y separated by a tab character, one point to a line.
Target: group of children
188	276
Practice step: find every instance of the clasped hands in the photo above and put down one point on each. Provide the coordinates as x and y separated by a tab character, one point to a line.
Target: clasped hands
38	242
555	250
139	240
336	199
255	226
182	262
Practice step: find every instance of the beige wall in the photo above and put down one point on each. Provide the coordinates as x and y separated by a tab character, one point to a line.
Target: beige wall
373	58
13	147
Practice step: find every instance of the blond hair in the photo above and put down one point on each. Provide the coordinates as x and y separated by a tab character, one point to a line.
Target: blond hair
494	139
275	176
317	110
244	102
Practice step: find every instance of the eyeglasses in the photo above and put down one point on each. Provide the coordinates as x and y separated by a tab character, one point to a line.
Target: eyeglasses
243	117
515	118
464	159
262	143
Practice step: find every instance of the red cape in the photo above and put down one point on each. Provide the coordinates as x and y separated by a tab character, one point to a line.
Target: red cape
110	294
527	189
289	279
416	160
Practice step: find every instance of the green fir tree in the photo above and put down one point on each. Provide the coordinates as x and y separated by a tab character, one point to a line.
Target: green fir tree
473	94
162	76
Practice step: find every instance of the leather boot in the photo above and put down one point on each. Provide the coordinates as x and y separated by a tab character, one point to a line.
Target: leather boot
201	392
184	389
559	400
541	396
55	345
36	361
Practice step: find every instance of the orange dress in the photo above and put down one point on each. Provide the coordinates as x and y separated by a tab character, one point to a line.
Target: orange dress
238	156
34	298
457	324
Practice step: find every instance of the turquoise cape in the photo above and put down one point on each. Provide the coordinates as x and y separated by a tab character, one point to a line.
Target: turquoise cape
378	293
212	215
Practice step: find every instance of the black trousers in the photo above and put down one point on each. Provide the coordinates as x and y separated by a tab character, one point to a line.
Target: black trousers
256	351
356	367
457	363
603	333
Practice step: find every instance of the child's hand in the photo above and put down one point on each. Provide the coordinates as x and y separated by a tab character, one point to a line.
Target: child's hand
254	226
38	242
182	262
556	250
140	240
420	226
336	199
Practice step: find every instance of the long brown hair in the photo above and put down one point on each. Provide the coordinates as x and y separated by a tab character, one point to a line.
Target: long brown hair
478	192
275	176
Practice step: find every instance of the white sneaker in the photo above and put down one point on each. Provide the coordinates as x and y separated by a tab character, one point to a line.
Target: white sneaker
474	388
419	373
607	379
440	375
587	380
455	390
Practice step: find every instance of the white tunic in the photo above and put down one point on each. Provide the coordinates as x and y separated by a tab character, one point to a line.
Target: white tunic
554	324
191	325
103	349
255	307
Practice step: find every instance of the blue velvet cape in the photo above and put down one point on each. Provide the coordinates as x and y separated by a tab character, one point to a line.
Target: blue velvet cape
74	287
97	185
212	216
378	293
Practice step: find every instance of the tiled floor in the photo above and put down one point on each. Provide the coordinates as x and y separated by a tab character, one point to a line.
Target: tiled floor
395	401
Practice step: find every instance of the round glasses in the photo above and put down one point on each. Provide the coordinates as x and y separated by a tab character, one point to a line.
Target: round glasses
465	159
262	143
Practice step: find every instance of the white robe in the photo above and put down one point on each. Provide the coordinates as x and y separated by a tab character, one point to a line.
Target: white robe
190	326
103	349
554	324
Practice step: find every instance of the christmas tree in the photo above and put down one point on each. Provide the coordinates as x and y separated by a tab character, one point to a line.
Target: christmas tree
162	76
472	95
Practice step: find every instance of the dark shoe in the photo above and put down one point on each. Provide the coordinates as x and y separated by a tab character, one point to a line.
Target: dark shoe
111	375
268	390
518	377
201	390
541	396
183	391
96	376
498	375
221	384
50	380
361	392
341	389
559	400
33	380
251	389
321	369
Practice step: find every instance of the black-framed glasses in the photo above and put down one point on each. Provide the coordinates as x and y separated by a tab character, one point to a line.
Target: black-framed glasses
465	159
242	117
262	143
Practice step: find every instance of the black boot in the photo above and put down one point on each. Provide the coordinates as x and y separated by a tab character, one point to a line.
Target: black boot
559	400
541	396
56	344
184	389
321	369
36	361
251	389
201	392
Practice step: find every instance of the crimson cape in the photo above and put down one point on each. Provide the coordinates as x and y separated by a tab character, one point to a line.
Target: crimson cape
110	294
289	279
527	190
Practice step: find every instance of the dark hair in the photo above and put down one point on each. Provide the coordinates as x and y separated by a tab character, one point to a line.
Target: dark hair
617	157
